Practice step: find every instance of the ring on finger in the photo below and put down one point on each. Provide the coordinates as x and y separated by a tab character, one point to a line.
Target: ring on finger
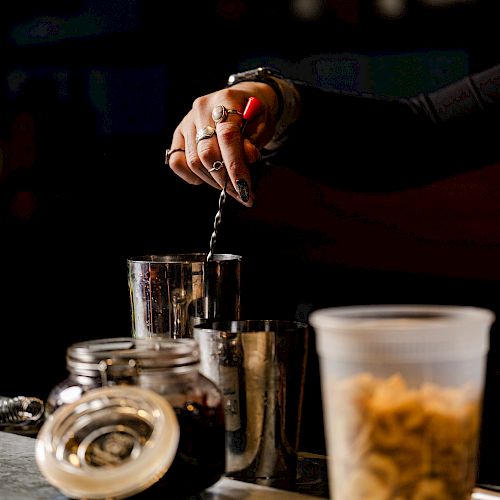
216	166
205	133
169	152
220	113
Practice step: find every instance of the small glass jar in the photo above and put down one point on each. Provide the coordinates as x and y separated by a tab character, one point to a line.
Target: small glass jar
170	368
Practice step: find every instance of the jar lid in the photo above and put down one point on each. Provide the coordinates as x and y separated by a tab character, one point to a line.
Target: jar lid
164	353
112	443
85	358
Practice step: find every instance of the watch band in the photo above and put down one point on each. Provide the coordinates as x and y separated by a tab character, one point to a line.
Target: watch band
287	97
265	75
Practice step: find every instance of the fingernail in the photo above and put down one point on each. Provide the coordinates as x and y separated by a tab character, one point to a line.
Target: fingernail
242	186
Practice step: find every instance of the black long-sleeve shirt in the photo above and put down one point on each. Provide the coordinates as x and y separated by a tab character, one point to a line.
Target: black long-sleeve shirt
363	142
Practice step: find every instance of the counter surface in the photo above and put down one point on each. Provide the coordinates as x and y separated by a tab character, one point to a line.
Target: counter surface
20	479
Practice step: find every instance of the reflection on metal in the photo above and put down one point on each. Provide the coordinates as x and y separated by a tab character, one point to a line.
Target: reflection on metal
171	292
20	411
260	368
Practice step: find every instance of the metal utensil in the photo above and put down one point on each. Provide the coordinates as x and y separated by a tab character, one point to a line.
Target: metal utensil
252	107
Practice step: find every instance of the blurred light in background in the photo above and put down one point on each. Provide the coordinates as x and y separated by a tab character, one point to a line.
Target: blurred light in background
95	18
18	79
307	10
393	9
15	80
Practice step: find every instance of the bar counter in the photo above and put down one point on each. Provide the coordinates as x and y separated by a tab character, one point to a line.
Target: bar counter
20	479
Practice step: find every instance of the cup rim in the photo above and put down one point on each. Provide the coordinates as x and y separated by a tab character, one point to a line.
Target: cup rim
181	258
249	325
403	332
346	317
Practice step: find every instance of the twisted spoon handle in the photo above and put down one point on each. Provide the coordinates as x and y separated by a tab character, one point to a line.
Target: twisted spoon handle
252	107
217	221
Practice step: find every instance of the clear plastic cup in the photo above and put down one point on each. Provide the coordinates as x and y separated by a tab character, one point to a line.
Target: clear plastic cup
402	389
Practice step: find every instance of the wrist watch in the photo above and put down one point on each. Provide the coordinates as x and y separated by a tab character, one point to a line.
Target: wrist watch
262	74
287	96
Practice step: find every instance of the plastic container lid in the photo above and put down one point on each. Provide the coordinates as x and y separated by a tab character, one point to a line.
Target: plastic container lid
112	443
399	333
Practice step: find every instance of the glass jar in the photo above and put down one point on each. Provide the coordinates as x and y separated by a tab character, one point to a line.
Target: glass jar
168	367
113	442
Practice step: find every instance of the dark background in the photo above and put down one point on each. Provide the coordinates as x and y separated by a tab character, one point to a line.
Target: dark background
90	93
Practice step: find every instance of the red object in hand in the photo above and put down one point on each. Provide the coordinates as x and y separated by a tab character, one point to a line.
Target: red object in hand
252	108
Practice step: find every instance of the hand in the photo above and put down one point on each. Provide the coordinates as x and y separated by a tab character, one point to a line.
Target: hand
197	163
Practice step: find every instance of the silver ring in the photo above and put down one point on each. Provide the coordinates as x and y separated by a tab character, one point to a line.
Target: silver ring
204	133
220	113
216	166
170	152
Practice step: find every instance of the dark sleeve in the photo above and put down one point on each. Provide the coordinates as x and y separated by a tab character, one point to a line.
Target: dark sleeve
364	142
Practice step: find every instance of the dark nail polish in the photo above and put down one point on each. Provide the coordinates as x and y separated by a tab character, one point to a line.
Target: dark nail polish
243	190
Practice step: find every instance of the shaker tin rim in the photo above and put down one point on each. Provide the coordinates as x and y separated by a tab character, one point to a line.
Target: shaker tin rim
182	258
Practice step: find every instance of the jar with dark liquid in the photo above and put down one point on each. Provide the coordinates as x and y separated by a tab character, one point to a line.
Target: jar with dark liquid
170	368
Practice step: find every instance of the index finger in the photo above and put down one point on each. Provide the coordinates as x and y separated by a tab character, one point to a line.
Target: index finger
231	146
231	143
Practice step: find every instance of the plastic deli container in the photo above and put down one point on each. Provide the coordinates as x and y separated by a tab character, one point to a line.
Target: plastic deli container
402	389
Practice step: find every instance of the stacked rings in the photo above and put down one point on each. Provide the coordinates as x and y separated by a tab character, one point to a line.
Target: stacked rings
220	113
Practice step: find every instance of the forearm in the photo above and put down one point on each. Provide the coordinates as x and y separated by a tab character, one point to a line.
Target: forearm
365	142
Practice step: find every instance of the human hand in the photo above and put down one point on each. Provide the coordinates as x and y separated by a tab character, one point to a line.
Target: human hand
228	151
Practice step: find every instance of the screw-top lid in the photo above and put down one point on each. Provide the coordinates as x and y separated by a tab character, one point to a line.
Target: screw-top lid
85	358
112	443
